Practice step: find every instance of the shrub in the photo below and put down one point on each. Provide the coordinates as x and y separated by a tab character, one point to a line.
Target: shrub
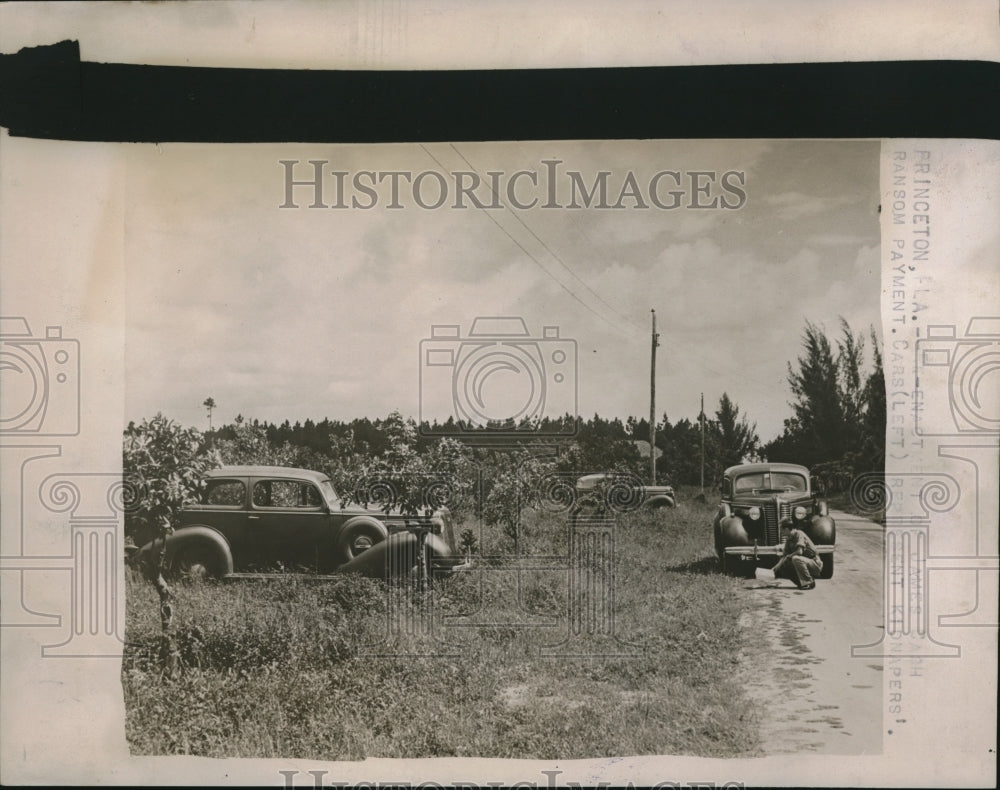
163	466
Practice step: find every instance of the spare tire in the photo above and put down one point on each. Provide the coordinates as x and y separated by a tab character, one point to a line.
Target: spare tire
358	536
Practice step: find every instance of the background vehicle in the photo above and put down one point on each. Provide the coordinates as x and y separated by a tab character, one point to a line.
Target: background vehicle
756	500
609	491
254	519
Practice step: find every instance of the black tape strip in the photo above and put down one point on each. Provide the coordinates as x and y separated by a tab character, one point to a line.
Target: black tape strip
48	92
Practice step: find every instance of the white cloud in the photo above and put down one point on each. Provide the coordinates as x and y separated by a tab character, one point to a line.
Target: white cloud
795	205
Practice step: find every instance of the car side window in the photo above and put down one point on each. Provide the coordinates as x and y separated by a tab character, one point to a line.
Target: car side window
727	487
310	496
228	493
285	494
262	493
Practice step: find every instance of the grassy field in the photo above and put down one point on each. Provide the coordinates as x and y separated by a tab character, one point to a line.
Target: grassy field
311	669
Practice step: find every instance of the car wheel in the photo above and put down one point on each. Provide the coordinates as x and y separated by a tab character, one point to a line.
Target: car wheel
827	572
197	563
358	539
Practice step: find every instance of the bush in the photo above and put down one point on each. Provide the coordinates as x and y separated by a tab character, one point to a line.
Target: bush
164	467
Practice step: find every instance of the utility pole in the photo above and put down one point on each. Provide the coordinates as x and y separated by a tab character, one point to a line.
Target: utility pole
652	404
701	416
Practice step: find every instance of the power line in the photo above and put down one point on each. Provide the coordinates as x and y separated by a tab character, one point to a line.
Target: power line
549	250
535	260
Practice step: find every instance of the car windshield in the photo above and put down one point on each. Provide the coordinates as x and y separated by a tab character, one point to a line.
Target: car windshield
770	481
588	482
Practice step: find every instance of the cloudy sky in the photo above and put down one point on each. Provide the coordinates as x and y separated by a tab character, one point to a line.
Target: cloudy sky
311	313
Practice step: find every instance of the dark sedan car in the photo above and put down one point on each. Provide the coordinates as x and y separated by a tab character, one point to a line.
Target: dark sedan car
254	519
646	497
756	500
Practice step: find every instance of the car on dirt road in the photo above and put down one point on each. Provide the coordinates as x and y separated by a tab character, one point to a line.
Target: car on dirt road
256	519
756	500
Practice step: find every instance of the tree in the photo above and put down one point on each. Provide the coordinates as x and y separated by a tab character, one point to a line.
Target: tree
209	404
512	485
872	449
401	478
838	425
164	467
850	358
737	438
249	445
818	408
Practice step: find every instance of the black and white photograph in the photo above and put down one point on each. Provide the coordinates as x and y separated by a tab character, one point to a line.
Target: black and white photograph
630	459
366	328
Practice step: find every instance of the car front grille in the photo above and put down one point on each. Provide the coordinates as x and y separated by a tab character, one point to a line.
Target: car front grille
774	513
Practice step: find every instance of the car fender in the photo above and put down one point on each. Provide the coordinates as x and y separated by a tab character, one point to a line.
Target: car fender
395	555
188	536
823	530
732	531
660	500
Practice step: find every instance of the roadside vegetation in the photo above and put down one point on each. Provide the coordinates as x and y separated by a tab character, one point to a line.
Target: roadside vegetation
294	667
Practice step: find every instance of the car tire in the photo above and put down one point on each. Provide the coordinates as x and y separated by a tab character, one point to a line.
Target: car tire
358	538
827	572
197	563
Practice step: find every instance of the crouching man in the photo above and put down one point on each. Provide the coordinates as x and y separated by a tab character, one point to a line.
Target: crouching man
799	561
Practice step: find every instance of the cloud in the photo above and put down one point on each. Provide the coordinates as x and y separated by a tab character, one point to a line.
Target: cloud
835	239
795	205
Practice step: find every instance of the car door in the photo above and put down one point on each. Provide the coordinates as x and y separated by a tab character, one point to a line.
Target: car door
223	507
287	522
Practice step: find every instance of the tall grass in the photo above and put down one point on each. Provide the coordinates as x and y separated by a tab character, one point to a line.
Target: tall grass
310	669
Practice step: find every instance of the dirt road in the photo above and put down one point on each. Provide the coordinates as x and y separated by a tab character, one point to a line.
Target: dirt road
815	697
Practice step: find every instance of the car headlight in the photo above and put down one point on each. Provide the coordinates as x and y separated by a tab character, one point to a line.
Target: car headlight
754	513
799	512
